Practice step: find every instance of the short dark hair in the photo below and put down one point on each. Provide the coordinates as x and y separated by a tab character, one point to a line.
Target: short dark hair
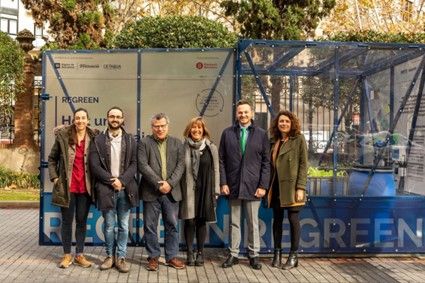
114	108
244	102
81	110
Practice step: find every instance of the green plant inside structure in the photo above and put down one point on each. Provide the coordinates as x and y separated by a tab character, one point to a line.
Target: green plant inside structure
21	180
323	173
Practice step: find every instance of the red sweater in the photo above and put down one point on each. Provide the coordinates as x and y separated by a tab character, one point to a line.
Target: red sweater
78	180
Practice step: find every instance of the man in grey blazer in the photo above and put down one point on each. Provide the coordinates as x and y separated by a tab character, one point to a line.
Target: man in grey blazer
161	163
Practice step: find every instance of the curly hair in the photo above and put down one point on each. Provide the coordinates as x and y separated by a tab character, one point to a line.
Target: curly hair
193	121
295	125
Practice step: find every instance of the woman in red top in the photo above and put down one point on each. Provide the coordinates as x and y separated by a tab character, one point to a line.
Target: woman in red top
69	171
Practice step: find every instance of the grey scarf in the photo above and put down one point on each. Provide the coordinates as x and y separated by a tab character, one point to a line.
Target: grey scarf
195	155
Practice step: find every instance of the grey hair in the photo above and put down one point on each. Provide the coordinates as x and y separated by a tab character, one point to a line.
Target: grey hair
160	116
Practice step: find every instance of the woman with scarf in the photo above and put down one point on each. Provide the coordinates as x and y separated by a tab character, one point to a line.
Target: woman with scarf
200	187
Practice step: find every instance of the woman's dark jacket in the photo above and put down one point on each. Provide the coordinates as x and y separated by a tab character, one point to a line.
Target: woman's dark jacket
60	162
100	165
244	174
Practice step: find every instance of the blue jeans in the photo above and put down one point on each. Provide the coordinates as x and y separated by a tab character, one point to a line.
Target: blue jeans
116	240
170	210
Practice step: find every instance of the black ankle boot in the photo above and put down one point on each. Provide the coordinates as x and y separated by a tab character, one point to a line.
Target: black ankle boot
292	261
277	258
190	261
199	259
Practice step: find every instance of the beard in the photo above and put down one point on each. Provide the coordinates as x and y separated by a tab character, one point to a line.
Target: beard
114	126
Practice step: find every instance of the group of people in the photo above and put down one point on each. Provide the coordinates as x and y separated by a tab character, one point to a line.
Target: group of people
179	181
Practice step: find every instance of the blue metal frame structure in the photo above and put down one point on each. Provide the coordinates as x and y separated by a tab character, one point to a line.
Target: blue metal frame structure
341	116
404	53
416	111
43	164
420	70
244	65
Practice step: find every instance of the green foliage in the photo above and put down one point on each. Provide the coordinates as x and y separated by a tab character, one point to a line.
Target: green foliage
11	71
374	36
89	18
84	42
19	179
108	38
175	32
74	24
273	19
69	5
11	59
322	173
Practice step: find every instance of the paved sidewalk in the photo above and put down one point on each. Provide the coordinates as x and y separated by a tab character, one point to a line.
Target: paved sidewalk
23	260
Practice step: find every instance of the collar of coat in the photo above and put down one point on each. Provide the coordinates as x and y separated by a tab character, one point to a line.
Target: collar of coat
276	148
65	131
237	126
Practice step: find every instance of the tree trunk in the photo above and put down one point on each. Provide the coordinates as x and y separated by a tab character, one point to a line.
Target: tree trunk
277	86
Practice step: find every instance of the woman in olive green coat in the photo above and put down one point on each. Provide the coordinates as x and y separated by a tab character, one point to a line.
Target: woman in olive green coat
69	172
289	177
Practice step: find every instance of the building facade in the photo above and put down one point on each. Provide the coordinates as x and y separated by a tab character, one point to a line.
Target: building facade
14	18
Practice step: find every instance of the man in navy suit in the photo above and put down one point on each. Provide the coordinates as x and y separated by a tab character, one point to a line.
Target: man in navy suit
244	179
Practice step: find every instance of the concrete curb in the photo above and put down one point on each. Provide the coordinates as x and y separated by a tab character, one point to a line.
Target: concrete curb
20	204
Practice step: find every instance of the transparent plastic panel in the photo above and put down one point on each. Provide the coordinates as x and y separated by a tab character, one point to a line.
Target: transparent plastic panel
311	57
265	57
347	98
408	140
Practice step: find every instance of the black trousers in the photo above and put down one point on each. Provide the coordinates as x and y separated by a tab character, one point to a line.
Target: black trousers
294	224
190	225
79	205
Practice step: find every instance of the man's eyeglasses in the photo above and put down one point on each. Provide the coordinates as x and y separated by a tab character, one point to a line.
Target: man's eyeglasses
157	127
114	117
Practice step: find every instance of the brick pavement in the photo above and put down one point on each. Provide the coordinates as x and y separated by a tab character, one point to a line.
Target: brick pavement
23	260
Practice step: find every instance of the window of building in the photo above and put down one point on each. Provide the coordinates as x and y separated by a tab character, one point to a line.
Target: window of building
38	31
4	25
9	26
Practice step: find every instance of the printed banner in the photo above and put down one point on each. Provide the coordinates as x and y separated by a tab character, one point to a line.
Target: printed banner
328	225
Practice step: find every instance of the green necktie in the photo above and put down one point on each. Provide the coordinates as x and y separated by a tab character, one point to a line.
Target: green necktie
243	140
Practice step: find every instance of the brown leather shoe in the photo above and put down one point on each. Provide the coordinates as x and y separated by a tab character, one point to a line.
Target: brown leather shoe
122	266
152	264
108	263
176	263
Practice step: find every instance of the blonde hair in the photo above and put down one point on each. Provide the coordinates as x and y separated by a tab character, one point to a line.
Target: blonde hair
192	121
